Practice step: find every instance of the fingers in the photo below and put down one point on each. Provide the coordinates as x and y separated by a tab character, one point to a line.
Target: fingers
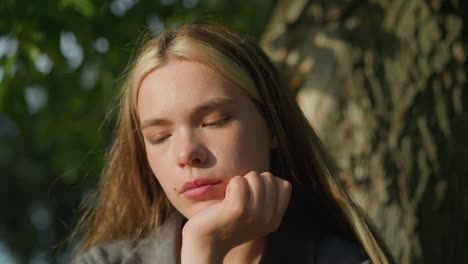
284	196
256	192
253	207
258	197
236	195
270	194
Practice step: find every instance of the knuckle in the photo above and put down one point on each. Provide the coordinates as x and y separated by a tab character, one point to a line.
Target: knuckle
251	175
268	176
255	181
236	179
287	185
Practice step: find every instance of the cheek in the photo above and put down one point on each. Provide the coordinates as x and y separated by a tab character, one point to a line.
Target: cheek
257	153
246	149
160	170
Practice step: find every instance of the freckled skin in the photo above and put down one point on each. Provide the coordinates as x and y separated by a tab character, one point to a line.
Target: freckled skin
187	148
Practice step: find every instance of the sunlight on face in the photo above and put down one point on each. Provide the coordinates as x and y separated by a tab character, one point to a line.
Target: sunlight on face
200	131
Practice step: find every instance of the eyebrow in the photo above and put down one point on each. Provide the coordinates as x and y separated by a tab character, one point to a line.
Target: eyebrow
202	108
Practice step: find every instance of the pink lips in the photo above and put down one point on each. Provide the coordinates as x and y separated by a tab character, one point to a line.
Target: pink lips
198	187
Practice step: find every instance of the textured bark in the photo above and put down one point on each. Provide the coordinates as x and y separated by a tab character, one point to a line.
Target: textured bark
384	84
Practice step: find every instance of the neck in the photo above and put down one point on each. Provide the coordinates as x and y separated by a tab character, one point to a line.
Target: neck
250	252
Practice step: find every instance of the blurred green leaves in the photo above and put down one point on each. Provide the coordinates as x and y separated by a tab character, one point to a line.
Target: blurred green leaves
60	69
85	7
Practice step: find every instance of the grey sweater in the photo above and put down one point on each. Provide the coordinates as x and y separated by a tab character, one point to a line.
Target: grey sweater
288	244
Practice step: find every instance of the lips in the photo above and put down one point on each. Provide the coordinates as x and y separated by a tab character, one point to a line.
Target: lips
198	187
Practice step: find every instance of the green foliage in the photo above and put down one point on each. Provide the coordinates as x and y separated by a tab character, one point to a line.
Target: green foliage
60	64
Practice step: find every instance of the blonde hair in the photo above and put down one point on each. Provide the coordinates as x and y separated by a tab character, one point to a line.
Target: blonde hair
130	203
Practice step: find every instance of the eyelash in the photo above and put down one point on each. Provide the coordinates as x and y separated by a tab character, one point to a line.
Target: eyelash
159	140
218	124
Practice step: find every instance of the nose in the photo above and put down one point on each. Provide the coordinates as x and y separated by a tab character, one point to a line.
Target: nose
191	153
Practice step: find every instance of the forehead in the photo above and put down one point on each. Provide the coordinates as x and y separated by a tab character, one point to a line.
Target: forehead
181	85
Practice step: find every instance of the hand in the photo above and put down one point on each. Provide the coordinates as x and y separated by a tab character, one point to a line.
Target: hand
253	207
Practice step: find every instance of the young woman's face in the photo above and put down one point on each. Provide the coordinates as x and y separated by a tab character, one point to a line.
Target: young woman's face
200	131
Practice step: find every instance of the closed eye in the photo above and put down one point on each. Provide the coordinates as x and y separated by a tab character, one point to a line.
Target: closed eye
159	140
219	123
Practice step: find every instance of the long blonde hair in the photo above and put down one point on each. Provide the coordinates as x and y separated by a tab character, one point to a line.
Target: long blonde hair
130	203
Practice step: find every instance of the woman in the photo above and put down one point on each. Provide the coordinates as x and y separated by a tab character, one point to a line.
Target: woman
208	148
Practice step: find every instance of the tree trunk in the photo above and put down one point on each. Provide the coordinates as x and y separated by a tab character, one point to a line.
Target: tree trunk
383	83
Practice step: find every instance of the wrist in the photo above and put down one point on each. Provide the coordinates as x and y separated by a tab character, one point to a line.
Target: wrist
199	250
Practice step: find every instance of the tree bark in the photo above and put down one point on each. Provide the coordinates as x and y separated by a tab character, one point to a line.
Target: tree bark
383	82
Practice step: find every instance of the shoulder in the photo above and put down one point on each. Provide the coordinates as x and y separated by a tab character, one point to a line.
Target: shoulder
154	248
294	244
333	249
157	248
114	252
